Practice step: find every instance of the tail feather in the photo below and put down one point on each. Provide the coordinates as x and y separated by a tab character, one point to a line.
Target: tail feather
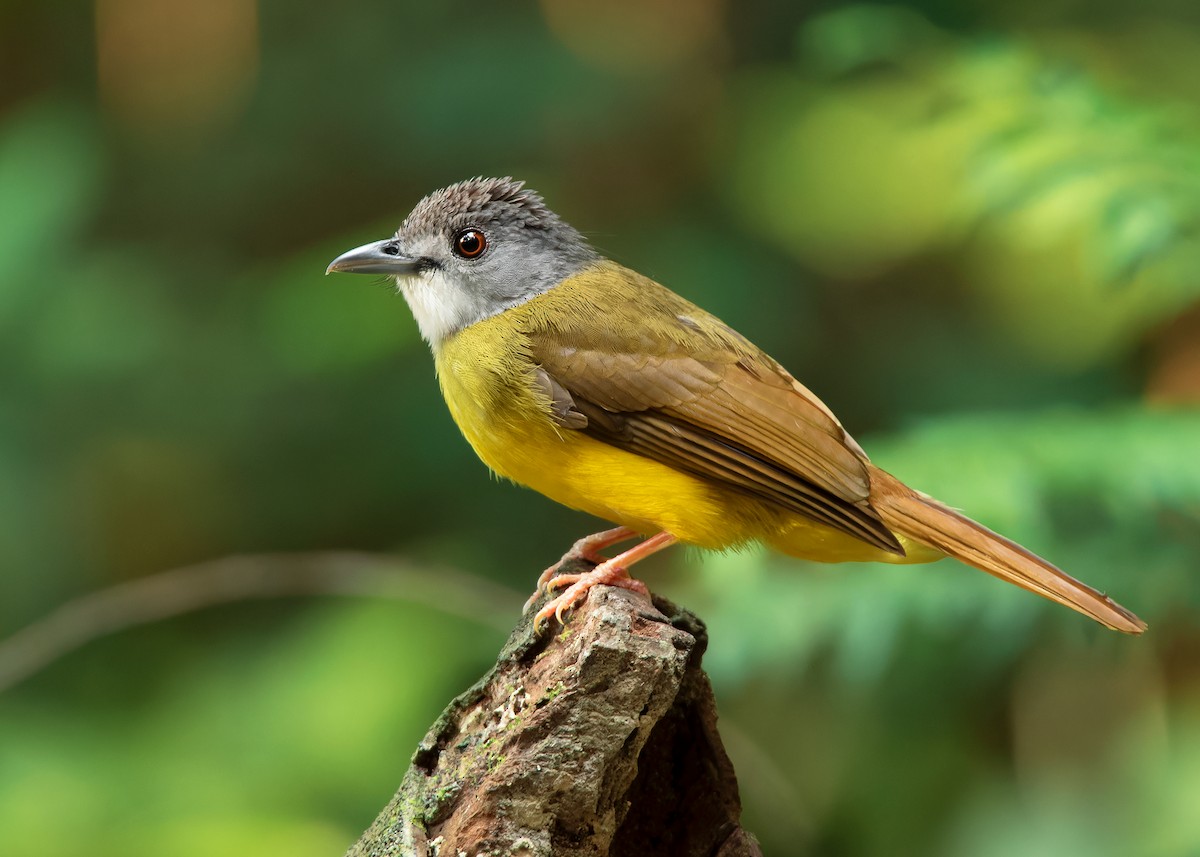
925	520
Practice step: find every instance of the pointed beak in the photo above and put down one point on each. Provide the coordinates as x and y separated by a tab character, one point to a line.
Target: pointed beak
380	257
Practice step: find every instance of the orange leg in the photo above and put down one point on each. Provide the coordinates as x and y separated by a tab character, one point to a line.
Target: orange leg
586	548
612	572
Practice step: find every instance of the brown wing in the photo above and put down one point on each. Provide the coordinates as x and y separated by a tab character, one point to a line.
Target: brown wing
702	399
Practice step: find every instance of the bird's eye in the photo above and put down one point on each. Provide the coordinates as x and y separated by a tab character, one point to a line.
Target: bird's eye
469	243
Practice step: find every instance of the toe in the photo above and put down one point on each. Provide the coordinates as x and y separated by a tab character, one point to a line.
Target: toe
563	581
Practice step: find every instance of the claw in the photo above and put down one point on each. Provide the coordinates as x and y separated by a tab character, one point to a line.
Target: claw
562	581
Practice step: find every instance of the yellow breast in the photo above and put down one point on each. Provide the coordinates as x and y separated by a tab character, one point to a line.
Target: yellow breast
486	376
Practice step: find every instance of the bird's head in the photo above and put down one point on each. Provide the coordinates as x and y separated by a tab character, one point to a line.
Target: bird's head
472	250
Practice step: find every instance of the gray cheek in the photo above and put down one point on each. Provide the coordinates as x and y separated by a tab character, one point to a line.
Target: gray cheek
515	273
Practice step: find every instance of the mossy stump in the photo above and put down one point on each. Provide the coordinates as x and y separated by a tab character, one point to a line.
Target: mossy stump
600	740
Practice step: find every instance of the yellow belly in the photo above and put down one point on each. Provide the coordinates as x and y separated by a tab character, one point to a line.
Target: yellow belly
487	381
514	435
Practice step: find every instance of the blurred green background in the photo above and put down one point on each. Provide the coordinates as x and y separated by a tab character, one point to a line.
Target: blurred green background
973	229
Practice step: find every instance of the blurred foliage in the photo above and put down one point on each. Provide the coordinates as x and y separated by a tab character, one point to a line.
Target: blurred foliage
971	228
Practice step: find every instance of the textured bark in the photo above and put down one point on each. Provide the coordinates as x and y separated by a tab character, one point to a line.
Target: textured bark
599	740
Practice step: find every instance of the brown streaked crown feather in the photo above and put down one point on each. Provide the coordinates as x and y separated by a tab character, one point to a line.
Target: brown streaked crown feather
481	199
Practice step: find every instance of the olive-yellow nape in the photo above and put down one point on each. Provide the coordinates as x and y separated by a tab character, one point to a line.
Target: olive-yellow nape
611	394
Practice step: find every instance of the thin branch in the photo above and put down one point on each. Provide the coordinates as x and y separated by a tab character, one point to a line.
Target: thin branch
246	577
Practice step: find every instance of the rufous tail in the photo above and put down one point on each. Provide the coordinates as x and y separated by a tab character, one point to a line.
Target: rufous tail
925	520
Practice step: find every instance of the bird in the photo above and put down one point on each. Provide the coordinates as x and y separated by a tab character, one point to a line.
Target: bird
611	394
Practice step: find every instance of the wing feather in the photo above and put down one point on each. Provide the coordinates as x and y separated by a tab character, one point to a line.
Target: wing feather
698	397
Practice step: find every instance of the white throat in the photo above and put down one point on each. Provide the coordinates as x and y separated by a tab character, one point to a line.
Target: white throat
442	307
439	307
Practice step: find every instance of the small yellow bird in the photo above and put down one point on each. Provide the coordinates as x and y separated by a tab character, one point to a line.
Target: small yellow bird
611	394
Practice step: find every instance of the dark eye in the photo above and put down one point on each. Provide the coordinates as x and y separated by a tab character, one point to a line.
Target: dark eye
469	243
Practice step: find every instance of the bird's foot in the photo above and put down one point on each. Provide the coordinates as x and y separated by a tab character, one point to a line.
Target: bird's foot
588	548
575	588
612	572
